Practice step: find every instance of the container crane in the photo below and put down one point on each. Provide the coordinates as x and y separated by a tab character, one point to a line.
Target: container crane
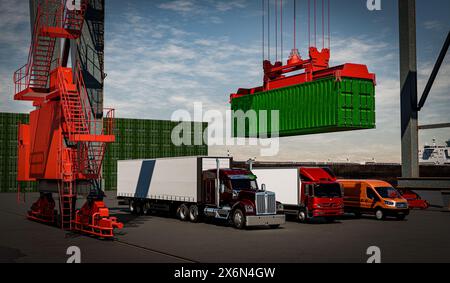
63	146
298	84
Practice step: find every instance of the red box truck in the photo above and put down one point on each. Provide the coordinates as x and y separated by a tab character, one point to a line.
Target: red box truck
304	192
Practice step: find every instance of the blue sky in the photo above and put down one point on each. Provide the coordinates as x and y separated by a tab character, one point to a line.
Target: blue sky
162	56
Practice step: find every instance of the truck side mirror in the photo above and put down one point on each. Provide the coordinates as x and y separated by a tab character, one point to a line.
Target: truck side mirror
263	187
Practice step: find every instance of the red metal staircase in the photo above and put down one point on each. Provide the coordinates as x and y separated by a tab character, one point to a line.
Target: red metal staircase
53	21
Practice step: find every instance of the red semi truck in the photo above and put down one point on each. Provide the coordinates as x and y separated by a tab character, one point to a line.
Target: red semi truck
305	192
195	188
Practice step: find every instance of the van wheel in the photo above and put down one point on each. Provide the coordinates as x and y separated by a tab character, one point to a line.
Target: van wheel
379	214
239	219
193	213
401	217
183	212
302	216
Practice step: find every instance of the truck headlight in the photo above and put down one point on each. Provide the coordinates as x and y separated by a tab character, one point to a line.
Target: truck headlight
389	203
249	208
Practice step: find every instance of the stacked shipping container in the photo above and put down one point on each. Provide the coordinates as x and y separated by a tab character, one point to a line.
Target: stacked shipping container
135	139
9	124
144	139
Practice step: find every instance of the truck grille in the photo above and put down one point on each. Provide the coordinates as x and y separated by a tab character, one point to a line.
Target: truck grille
266	203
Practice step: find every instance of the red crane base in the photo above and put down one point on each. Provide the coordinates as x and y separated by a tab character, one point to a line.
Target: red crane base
93	219
43	210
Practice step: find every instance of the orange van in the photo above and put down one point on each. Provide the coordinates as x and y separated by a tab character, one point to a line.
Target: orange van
375	198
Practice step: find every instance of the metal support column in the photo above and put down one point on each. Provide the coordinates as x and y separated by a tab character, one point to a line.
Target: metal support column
408	80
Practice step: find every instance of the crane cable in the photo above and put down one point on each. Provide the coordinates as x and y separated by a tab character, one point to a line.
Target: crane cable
295	24
263	30
281	12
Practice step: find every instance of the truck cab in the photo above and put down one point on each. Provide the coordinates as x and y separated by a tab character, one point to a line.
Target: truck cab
322	195
240	199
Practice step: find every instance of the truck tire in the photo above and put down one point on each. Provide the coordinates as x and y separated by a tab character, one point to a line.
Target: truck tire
183	212
194	213
274	226
302	216
330	219
239	219
379	214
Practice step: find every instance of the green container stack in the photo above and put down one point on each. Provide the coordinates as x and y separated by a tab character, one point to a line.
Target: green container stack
322	106
135	139
145	139
9	125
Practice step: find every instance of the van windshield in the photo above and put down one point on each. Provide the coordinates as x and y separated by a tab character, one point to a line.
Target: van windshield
327	191
388	192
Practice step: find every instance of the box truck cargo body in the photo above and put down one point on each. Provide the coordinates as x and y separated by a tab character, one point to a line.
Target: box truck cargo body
304	192
197	187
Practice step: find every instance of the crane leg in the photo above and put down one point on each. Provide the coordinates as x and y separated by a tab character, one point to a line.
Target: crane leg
94	219
43	210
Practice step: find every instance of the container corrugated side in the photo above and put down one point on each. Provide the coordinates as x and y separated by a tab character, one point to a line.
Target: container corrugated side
321	106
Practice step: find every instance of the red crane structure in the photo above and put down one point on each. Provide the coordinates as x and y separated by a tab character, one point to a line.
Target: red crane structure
64	144
298	70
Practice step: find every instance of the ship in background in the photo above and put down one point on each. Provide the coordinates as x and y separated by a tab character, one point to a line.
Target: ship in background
435	154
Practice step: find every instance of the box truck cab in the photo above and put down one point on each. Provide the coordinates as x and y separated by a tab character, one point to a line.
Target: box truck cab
375	198
305	192
197	187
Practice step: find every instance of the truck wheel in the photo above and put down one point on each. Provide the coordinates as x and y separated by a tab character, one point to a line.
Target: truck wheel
239	219
329	219
379	214
302	216
193	213
183	212
274	226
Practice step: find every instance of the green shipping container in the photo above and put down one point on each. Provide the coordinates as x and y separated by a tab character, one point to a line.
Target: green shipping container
322	106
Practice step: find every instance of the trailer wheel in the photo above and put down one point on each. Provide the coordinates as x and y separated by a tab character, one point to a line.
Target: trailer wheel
183	212
239	219
132	207
146	208
193	213
138	207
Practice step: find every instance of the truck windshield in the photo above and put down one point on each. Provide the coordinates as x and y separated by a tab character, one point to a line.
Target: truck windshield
328	191
388	192
244	184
